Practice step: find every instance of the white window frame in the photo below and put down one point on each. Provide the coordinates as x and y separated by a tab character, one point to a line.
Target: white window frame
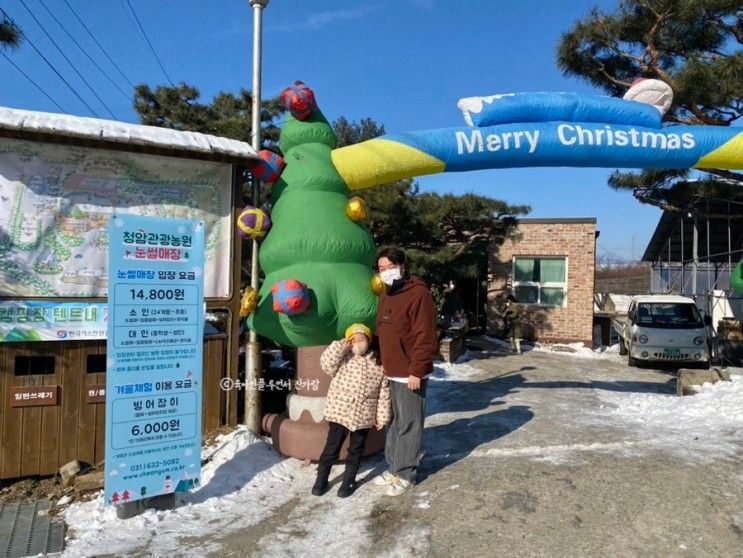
538	285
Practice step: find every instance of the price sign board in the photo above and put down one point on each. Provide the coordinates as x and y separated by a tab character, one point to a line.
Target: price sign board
154	357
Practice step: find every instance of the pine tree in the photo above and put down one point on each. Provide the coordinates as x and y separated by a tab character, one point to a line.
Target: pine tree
10	33
228	115
694	46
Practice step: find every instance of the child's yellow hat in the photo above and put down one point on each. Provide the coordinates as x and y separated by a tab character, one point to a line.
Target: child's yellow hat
358	328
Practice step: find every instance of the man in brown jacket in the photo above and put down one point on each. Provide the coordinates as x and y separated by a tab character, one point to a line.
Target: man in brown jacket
408	342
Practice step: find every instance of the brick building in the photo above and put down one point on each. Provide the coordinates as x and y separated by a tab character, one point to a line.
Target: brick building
549	266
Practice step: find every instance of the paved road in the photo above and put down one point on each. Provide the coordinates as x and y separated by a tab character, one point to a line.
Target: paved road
523	459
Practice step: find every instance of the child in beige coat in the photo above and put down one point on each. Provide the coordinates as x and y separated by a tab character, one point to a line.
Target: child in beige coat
358	399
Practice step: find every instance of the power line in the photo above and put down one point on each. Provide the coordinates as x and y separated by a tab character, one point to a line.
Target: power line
85	81
100	46
29	78
139	23
44	58
85	52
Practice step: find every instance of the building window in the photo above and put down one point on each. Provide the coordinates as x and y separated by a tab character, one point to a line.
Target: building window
541	281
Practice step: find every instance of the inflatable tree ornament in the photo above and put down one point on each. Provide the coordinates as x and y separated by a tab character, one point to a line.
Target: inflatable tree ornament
290	297
313	241
652	92
253	223
357	209
377	285
299	100
268	168
248	302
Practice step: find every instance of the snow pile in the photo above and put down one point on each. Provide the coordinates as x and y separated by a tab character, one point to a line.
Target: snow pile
704	426
244	482
449	371
579	350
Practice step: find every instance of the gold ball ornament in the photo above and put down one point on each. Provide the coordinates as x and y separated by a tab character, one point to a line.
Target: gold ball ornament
248	302
357	209
377	285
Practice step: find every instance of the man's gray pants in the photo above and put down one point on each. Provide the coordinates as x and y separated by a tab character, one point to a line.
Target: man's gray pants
405	433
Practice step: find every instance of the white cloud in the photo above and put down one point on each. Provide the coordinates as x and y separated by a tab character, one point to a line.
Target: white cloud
318	20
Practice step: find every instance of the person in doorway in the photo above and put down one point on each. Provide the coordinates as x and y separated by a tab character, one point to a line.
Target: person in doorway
408	341
512	316
358	399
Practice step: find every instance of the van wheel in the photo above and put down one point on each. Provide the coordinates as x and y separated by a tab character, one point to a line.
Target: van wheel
631	360
622	347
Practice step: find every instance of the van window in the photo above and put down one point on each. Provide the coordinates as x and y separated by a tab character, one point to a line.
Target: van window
668	315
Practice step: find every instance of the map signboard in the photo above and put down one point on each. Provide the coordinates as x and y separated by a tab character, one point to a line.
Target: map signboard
155	357
56	202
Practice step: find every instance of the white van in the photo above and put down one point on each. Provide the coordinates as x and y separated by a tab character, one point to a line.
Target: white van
665	328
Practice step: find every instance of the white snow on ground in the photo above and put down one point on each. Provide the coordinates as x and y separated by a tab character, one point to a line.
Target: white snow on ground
244	482
579	350
699	427
447	371
576	350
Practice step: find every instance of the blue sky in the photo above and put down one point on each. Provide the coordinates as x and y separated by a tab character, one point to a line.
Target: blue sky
404	63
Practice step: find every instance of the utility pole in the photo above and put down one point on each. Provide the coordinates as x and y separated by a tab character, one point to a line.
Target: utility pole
253	366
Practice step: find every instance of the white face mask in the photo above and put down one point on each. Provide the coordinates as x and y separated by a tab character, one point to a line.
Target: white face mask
359	348
389	276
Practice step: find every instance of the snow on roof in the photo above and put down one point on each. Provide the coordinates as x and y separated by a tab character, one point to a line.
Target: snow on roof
662	298
95	129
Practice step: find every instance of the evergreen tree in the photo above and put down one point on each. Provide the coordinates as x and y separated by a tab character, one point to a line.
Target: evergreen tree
692	45
228	115
10	33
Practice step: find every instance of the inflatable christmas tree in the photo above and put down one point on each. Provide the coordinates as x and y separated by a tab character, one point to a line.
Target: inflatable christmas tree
318	256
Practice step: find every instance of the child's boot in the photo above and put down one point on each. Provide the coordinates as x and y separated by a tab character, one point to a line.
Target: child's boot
321	483
349	485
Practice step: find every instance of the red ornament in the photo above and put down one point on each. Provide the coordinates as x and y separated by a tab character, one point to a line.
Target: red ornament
299	100
268	168
290	297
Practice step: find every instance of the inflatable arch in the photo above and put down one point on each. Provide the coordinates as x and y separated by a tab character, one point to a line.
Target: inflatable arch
318	254
542	130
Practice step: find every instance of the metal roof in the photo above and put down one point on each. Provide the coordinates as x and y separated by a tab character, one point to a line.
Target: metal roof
725	235
45	126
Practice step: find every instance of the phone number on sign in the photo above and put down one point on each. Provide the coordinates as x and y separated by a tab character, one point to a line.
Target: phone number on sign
154	464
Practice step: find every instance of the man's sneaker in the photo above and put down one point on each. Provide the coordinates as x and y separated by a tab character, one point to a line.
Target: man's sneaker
385	479
400	486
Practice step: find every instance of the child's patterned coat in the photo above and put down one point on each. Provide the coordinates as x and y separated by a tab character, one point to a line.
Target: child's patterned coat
359	393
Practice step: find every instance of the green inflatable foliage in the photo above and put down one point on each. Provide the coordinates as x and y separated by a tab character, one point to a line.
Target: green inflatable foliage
736	279
313	241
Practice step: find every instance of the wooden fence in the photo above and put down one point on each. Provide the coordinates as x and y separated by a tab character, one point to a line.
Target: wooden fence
52	408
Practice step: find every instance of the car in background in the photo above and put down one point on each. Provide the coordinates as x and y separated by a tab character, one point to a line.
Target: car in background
664	329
